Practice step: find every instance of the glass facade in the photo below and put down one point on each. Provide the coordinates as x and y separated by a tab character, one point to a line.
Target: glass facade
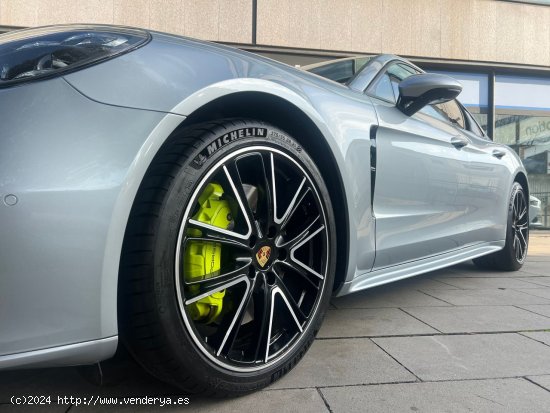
522	121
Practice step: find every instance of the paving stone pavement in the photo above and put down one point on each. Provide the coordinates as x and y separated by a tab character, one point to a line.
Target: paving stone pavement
458	339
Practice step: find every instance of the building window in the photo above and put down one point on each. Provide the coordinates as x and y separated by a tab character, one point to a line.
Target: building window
522	120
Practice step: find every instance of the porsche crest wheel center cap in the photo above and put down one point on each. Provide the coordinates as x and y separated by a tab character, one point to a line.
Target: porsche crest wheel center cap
262	256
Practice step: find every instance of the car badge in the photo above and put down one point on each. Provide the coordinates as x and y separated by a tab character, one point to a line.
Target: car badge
263	254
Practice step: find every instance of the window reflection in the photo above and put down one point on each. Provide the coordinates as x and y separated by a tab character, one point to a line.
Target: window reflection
448	112
522	121
474	95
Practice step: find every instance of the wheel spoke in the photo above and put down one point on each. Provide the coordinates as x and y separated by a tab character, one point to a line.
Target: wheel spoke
257	173
220	233
296	199
517	245
268	179
300	237
301	264
228	240
522	238
522	227
523	244
519	253
298	196
277	291
298	270
211	282
269	327
522	214
232	174
290	207
273	186
262	345
212	286
294	308
233	328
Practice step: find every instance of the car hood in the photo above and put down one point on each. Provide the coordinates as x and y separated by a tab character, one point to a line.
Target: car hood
170	68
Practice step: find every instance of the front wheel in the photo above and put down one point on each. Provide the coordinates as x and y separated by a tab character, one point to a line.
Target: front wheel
229	259
514	253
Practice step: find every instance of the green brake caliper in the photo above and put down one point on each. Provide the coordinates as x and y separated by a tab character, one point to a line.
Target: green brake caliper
203	258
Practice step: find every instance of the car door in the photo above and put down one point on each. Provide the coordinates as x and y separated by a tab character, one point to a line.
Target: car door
487	190
421	177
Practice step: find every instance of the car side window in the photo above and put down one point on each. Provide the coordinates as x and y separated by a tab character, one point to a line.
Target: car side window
383	89
386	87
472	124
449	112
340	72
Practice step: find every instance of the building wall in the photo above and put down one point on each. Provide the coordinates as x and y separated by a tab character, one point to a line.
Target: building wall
479	30
219	20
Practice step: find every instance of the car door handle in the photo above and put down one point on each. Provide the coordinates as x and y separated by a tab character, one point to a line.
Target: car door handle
498	153
459	142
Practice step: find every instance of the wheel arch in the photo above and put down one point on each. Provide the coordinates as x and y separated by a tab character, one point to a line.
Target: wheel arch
154	313
273	104
289	117
521	178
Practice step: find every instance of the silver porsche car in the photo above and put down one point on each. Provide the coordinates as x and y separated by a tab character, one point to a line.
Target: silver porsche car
199	205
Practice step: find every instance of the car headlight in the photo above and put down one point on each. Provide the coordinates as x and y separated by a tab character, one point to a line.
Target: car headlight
42	52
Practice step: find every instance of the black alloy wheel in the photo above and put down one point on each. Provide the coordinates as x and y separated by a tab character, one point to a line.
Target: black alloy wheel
273	263
513	255
520	226
240	259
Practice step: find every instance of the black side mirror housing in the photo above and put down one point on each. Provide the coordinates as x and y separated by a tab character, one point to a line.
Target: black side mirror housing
420	90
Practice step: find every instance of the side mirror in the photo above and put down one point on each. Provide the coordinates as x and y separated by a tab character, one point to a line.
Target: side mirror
420	90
